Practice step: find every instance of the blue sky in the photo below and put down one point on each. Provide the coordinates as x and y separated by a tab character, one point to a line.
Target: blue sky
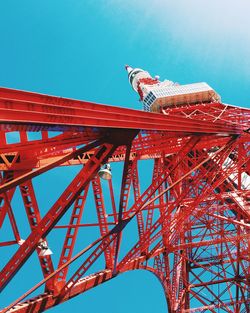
78	49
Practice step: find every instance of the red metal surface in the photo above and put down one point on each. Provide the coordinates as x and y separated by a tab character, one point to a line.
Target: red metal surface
180	184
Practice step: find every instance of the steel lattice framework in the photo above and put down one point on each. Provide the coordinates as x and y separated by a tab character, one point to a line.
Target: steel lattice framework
187	208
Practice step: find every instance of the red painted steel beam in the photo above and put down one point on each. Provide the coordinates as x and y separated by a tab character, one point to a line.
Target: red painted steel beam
29	175
102	218
71	115
46	301
12	219
34	218
214	111
49	145
137	193
125	188
71	235
5	199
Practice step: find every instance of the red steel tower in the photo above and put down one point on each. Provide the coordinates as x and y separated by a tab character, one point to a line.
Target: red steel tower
177	205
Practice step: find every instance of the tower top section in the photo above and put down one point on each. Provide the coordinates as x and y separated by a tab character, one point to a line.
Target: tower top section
138	77
157	95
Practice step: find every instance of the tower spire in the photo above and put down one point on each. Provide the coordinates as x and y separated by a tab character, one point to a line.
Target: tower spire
128	68
138	79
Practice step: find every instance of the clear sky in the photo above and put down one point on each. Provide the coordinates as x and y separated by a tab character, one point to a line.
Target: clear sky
78	49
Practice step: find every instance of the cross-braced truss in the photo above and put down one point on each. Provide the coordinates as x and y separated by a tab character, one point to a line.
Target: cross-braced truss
177	204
